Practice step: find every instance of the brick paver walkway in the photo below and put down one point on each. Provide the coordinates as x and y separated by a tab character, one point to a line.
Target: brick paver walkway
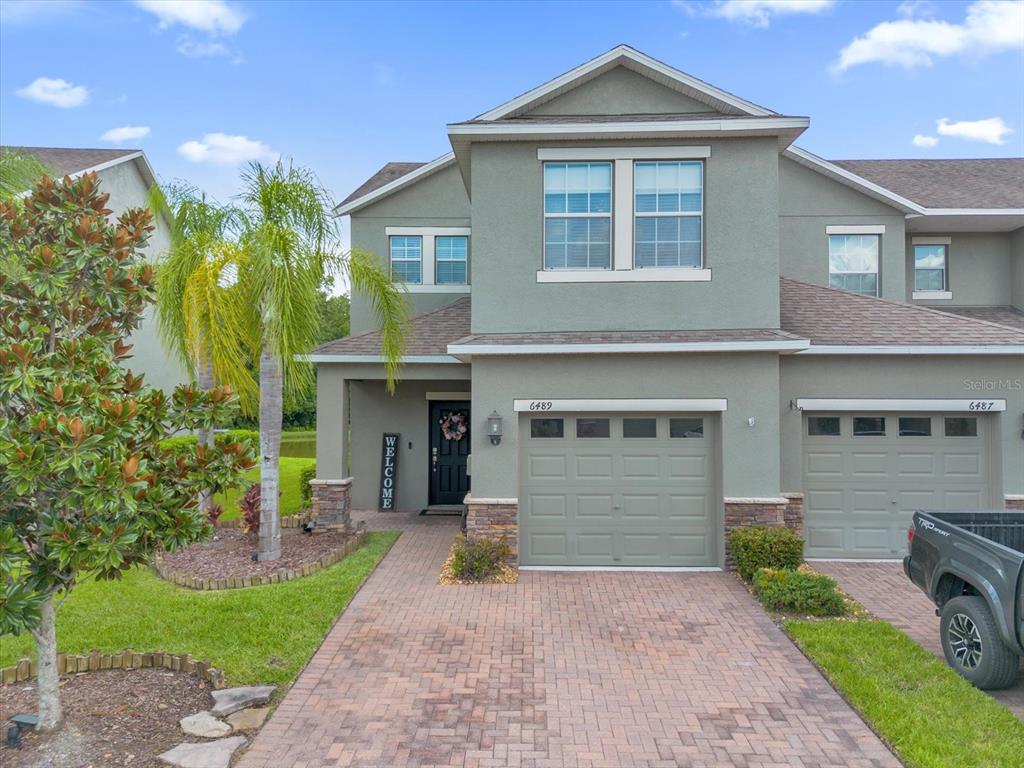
884	590
563	669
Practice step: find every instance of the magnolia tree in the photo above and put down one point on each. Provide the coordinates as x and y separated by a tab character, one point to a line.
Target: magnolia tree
87	489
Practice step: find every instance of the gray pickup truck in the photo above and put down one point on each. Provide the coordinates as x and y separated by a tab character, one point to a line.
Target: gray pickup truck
971	565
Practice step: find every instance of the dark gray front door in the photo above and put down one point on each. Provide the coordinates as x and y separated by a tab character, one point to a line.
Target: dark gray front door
449	482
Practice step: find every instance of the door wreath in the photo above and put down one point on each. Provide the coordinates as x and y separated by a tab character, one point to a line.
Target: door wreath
453	426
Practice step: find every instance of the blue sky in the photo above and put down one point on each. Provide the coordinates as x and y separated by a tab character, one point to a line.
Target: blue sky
345	87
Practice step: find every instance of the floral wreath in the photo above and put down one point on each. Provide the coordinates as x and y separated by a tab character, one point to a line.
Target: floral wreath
453	426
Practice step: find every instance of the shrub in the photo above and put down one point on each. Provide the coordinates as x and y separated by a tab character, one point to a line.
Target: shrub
249	504
798	592
763	546
305	489
213	513
479	559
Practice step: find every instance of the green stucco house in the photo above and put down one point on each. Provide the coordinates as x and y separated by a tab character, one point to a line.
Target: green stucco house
644	316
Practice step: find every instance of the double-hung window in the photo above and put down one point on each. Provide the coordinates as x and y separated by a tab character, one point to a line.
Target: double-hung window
407	258
669	210
451	255
930	268
577	215
853	263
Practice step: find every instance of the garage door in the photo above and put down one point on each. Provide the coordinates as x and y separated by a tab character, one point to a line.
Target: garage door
865	474
606	489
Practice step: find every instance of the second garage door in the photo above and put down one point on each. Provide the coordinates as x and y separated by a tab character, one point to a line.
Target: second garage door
618	489
866	474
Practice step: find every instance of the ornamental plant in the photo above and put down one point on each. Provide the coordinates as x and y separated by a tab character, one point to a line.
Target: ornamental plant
765	546
87	490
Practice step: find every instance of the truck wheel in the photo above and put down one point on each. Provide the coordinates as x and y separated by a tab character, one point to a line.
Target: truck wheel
973	647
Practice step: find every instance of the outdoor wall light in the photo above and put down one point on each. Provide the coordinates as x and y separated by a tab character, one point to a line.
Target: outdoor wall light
494	427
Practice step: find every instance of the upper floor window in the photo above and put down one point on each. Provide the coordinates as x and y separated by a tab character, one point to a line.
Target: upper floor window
668	207
853	263
577	215
930	268
451	255
407	258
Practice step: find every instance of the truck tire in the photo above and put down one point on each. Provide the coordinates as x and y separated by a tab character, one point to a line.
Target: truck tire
973	647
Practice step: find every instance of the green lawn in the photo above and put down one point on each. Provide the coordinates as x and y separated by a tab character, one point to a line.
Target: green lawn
256	635
291	501
927	713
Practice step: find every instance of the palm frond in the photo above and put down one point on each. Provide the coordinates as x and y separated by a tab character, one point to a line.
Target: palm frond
18	173
390	305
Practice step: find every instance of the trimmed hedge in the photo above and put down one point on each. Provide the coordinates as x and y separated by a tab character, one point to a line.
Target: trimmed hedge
764	546
798	592
247	435
479	559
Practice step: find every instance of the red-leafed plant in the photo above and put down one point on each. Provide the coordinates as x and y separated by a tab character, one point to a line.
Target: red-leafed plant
213	513
249	504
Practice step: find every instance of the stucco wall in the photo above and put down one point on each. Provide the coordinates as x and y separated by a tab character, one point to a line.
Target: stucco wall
979	269
1017	268
810	202
973	377
741	249
749	382
438	200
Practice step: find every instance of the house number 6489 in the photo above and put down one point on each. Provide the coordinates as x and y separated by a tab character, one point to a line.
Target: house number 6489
541	405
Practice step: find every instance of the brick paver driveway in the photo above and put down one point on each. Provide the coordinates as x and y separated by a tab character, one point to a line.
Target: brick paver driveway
562	669
884	590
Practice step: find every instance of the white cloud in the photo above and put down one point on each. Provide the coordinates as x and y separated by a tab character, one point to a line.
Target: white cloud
125	133
990	26
759	13
920	140
196	49
214	17
56	93
224	149
26	12
990	131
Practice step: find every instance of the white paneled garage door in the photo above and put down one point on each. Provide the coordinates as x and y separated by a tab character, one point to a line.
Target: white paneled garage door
865	474
629	490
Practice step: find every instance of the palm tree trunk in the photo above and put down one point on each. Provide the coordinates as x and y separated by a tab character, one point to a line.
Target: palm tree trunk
48	679
271	412
205	436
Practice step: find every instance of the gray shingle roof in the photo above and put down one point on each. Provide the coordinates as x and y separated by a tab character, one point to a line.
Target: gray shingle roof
630	337
64	161
429	334
829	316
385	175
1008	316
979	183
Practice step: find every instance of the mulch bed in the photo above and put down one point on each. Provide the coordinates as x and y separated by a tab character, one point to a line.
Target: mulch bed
115	719
506	574
229	554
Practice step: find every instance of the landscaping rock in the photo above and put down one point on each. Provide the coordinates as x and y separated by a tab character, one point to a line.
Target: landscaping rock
206	754
248	719
205	725
230	700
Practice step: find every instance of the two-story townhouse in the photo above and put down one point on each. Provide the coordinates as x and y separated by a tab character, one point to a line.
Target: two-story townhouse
648	317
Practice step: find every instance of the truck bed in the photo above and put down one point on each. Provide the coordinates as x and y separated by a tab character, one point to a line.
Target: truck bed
1006	528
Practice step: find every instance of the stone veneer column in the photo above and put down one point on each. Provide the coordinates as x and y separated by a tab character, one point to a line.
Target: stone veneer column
793	514
1015	502
496	519
749	511
332	500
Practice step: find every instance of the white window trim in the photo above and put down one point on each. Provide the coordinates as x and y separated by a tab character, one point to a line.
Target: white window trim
625	405
932	295
945	293
699	214
428	271
610	215
617	275
865	229
920	405
423	258
856	229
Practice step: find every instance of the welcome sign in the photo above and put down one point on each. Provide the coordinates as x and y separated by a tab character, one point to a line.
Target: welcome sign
389	472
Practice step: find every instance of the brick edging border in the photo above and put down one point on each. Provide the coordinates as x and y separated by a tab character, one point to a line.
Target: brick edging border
71	664
354	542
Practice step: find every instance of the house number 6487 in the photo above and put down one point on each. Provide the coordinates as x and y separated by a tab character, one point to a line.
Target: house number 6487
981	405
541	405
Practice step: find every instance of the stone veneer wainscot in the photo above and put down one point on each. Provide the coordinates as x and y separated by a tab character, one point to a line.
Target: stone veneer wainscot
496	519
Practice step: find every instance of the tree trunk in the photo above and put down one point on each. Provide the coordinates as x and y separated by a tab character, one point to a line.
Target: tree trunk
271	412
205	436
48	679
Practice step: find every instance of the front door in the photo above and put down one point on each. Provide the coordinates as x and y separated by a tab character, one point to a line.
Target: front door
449	449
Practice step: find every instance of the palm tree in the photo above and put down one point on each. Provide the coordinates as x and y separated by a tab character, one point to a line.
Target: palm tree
18	173
290	247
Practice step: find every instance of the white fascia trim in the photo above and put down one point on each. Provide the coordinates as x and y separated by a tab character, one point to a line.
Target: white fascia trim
973	211
649	275
448	396
931	295
428	231
402	181
434	288
445	359
979	405
621	52
635	348
806	158
856	229
931	240
914	349
701	127
627	405
624	153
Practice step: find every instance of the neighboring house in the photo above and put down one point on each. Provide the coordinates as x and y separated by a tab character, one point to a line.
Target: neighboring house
680	323
126	175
